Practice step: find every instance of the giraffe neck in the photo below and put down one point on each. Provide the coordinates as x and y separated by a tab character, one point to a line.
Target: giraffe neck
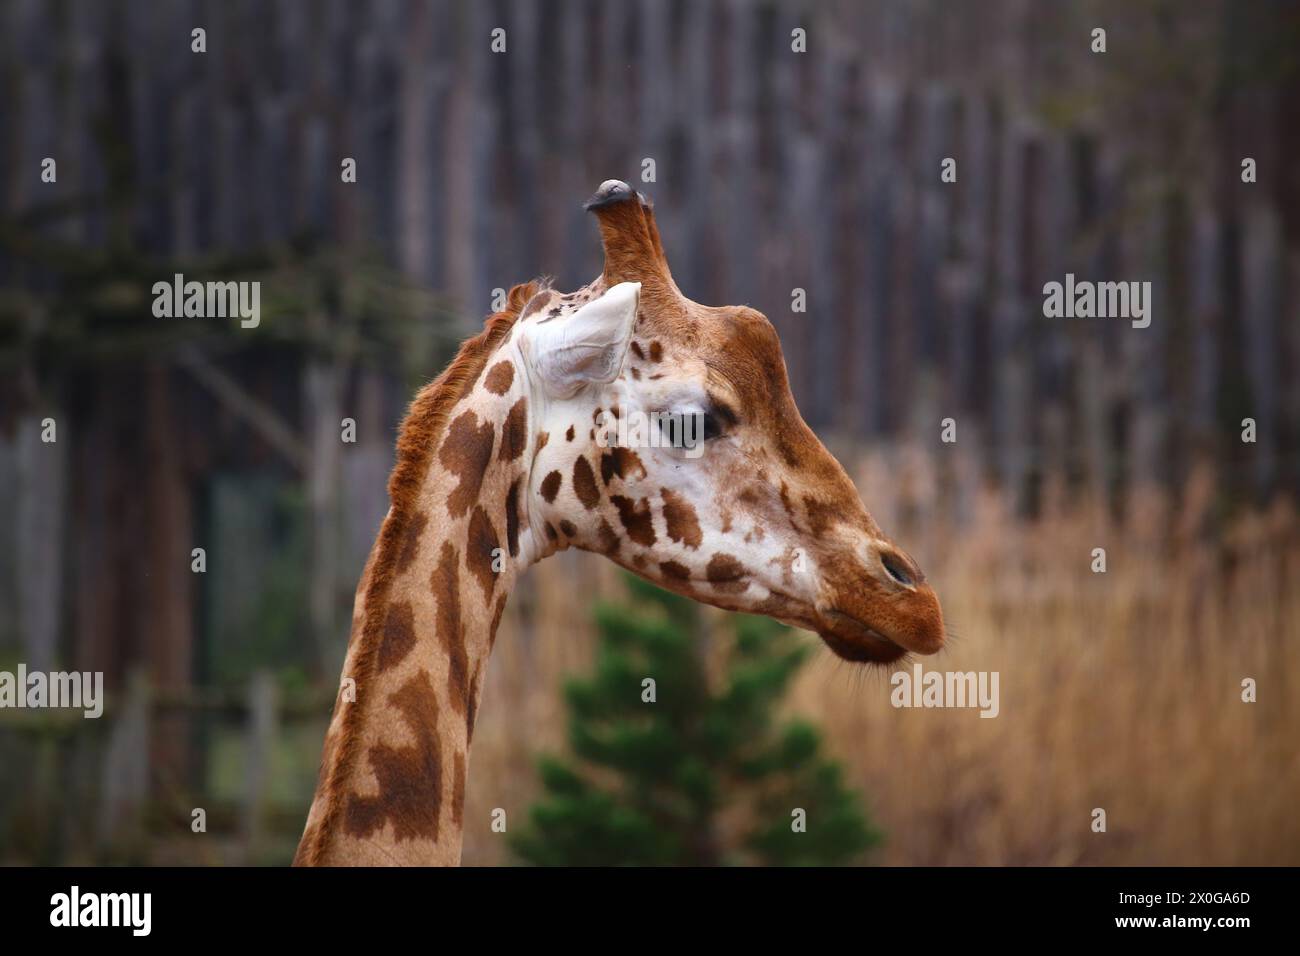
392	783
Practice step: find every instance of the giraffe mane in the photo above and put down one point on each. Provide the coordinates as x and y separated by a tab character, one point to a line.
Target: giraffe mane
421	430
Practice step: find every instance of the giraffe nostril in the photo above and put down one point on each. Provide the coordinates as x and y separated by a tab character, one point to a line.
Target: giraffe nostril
897	568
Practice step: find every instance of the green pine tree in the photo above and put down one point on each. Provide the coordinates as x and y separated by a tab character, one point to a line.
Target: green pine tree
701	775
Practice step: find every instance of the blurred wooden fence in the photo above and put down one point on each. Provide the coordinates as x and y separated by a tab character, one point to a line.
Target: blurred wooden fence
109	768
774	171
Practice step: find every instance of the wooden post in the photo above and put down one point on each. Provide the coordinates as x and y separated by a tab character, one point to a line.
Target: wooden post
261	732
126	768
1261	270
323	415
164	569
39	536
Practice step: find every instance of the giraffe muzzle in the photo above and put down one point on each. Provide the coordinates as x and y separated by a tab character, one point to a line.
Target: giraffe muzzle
880	628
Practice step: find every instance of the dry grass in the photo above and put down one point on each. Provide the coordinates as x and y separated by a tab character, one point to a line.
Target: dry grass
1119	690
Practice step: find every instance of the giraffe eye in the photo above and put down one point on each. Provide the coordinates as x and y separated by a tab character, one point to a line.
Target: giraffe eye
709	426
683	429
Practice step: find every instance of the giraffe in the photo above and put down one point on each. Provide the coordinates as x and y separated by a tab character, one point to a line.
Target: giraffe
505	459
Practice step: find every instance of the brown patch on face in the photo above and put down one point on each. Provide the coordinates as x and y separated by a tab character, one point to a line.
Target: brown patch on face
551	532
656	351
450	627
568	436
638	561
542	439
411	542
678	572
636	350
584	483
458	789
788	505
820	514
608	538
620	462
636	374
512	518
568	528
410	777
551	486
398	635
479	545
683	524
636	518
514	434
725	573
466	454
500	377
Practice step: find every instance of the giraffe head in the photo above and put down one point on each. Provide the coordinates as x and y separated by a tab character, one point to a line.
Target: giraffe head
670	442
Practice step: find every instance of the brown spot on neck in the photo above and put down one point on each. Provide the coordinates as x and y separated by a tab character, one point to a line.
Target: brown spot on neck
471	714
458	790
466	453
411	541
496	622
584	483
479	547
500	377
399	635
514	434
409	777
450	626
551	486
512	518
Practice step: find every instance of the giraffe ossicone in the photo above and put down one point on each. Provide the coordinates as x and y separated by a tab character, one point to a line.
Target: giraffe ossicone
500	456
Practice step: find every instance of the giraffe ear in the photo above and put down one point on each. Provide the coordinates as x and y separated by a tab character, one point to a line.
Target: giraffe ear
586	348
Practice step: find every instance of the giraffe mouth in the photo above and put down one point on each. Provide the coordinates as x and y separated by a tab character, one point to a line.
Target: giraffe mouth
854	641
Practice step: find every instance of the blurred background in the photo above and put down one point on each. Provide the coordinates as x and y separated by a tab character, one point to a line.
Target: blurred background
773	171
